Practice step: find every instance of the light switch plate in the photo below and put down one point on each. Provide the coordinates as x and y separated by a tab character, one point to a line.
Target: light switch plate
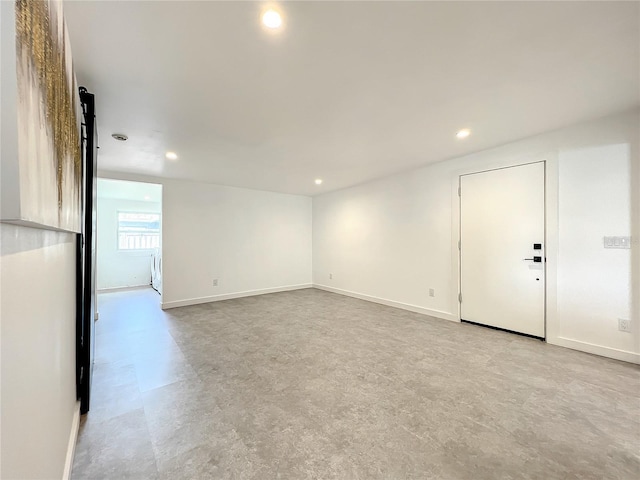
617	242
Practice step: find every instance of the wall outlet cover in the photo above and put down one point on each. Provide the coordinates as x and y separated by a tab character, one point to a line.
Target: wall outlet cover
624	325
215	282
432	292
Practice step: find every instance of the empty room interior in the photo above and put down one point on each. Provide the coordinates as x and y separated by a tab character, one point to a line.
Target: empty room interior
318	239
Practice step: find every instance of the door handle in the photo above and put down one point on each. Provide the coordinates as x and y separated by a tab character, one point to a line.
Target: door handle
534	259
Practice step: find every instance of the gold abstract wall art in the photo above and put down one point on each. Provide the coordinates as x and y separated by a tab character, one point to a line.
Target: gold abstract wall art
48	118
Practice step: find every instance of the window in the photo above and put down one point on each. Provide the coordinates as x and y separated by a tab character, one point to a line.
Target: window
138	231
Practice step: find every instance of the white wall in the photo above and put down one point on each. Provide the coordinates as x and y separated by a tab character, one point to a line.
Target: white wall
594	284
38	399
38	408
393	239
120	268
251	241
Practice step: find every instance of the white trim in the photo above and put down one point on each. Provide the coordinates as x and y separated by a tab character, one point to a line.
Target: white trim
390	303
609	352
229	296
622	355
71	447
118	289
552	321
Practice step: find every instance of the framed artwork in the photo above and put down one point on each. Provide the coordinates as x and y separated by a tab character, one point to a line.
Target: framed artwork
41	132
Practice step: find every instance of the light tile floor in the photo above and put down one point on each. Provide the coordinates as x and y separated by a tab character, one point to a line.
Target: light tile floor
309	384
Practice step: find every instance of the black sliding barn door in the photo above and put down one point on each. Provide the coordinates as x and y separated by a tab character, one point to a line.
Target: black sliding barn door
86	256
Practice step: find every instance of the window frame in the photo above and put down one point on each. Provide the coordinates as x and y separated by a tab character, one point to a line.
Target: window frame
144	249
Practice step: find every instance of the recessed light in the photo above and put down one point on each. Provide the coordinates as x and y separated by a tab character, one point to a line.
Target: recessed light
147	197
271	19
464	133
171	155
121	137
318	181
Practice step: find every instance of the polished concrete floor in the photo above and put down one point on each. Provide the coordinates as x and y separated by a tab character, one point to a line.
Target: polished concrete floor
309	384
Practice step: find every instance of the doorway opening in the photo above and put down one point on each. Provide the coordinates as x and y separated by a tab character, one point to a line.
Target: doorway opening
129	234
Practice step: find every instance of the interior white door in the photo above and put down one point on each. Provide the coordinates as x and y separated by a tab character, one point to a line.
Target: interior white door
502	259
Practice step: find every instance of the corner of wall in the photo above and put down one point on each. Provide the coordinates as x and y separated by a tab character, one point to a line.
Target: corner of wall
390	303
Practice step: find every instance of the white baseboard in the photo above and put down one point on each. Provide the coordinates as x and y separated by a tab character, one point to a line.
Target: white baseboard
560	341
71	447
390	303
118	289
608	352
229	296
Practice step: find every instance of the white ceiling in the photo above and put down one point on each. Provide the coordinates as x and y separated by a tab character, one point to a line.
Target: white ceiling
124	190
347	91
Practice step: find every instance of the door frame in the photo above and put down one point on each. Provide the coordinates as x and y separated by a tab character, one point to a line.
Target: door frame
85	256
510	158
544	239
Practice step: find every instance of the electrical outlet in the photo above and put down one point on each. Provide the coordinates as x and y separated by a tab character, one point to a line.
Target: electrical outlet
432	292
624	325
331	276
215	282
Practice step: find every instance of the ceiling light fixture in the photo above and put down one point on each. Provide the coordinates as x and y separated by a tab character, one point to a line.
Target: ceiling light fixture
318	181
271	19
147	197
464	133
171	155
121	137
